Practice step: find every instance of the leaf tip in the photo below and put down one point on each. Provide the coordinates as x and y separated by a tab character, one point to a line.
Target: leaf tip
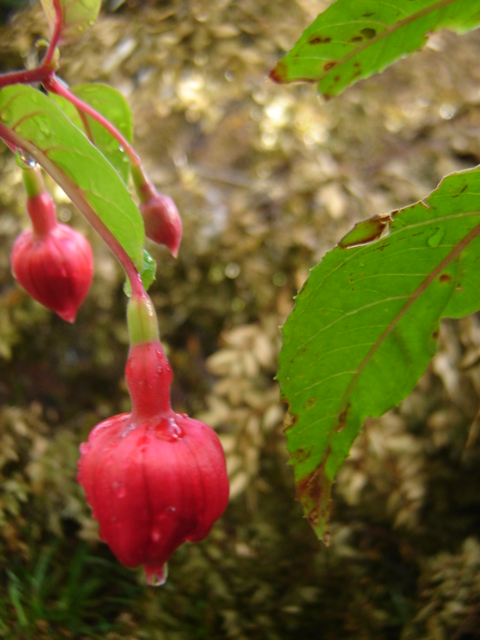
279	73
314	493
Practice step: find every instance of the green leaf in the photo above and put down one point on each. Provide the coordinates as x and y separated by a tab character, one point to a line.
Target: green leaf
32	122
365	326
112	105
77	16
354	39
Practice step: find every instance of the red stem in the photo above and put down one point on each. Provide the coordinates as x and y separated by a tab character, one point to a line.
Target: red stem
57	29
27	76
46	70
53	85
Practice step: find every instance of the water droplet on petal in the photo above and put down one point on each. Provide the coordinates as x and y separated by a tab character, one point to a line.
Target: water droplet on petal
156	534
156	576
119	488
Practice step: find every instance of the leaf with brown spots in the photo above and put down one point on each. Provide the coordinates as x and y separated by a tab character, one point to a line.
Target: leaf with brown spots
359	39
365	326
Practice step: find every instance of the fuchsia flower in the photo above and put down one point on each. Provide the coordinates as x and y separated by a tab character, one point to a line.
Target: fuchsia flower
52	261
154	478
162	221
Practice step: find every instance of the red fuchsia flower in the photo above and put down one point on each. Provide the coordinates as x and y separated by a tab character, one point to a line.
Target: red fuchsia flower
162	221
153	478
52	261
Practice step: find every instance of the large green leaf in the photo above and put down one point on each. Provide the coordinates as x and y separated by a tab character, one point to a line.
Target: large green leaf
354	39
77	16
32	122
112	105
365	326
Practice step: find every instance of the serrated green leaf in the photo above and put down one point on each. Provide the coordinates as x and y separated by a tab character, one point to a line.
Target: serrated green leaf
354	39
77	16
36	125
112	105
365	326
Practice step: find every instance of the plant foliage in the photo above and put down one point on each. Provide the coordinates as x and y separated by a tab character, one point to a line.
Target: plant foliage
354	39
365	324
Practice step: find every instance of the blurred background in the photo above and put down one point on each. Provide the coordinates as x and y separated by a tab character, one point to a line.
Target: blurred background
267	179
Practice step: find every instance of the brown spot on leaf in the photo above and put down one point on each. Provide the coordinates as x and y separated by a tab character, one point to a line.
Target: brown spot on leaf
319	40
435	335
300	455
366	231
311	402
356	39
289	420
329	65
367	15
445	277
314	492
368	32
342	418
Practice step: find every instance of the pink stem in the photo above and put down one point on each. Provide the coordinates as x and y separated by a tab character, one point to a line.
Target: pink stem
46	70
28	76
47	60
53	85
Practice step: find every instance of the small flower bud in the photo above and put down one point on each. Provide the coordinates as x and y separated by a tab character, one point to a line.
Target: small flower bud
55	268
162	221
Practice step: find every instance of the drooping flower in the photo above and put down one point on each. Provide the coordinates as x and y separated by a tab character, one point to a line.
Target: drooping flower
153	478
52	261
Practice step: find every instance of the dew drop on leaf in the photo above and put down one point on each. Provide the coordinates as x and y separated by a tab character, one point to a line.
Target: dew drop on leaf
435	240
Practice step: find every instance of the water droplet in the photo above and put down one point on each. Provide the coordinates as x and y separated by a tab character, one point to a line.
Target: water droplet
64	214
170	510
119	488
45	127
25	160
120	148
156	576
435	240
155	535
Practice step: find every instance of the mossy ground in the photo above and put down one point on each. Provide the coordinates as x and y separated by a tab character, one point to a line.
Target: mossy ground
267	179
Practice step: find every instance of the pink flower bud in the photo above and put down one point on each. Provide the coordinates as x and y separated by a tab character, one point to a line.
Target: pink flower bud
55	266
162	221
153	478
